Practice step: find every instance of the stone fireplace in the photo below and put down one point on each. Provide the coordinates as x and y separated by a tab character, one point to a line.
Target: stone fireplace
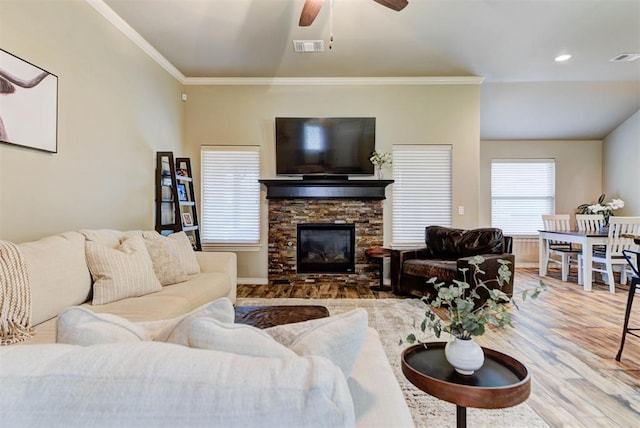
325	248
284	217
335	204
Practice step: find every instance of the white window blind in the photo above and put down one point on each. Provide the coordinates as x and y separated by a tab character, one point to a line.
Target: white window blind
230	195
522	190
421	191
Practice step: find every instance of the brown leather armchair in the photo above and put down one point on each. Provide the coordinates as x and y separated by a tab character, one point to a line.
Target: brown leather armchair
447	251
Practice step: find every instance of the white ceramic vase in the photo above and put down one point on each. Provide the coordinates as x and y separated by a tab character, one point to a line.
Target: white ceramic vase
465	355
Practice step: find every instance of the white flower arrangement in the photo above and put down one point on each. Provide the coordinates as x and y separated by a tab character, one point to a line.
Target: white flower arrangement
380	158
600	207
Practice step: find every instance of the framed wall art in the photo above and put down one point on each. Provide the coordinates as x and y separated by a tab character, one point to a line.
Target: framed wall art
187	220
182	192
28	104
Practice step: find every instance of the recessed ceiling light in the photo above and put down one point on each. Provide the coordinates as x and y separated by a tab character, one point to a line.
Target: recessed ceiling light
563	57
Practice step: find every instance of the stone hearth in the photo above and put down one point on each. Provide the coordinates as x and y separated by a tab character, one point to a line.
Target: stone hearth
285	214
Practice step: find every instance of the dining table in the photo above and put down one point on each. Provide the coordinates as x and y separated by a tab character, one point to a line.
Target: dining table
587	239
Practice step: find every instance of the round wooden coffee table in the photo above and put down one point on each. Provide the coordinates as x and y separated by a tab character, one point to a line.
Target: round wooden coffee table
501	382
379	254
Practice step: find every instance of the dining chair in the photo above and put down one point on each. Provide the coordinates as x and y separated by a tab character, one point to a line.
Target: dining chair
567	253
612	254
634	265
589	222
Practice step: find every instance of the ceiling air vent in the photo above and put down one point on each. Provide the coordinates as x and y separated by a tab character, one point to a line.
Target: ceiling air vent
308	45
626	57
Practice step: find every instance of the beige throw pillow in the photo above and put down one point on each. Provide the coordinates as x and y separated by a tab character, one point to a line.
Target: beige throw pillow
80	326
185	252
176	330
339	338
120	272
164	258
208	333
109	237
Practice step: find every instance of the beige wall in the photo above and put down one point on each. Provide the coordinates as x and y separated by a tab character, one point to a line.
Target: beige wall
116	108
578	178
621	160
421	114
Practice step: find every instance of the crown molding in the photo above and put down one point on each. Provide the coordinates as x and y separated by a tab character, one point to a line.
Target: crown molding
310	81
135	37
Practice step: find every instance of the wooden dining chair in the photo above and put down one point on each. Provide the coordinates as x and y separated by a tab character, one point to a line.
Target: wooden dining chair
612	254
589	222
568	254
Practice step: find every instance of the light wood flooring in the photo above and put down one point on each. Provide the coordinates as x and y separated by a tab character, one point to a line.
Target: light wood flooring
567	338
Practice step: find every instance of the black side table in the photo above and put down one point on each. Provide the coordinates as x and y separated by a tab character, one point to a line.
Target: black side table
378	254
501	382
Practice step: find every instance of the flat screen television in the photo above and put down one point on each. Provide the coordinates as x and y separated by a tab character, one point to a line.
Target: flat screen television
325	146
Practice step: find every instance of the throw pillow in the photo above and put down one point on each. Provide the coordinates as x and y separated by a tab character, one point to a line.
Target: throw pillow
176	330
120	272
185	252
164	259
109	237
208	333
79	326
339	338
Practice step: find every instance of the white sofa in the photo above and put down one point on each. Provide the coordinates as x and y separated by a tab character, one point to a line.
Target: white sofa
162	384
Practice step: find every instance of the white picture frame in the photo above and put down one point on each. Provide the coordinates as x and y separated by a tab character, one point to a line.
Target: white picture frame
187	219
28	104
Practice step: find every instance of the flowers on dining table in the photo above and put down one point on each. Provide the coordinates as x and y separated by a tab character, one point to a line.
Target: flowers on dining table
600	207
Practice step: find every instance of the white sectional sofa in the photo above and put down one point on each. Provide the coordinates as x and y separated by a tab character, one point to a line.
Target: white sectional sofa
43	383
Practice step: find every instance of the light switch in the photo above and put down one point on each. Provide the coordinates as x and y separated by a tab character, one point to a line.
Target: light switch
460	209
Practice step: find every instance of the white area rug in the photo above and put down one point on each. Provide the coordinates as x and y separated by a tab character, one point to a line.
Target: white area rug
393	318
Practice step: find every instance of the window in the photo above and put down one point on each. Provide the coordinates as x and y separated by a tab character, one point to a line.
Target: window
421	192
230	195
522	190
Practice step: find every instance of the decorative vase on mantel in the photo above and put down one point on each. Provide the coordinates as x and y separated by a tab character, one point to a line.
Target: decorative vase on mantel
465	355
379	169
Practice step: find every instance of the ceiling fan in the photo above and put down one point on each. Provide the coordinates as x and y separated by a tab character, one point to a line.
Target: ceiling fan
312	8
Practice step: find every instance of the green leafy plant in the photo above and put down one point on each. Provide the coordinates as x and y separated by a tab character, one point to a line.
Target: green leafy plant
467	313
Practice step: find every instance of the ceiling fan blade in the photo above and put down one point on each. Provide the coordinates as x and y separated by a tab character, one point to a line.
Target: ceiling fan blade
396	5
309	12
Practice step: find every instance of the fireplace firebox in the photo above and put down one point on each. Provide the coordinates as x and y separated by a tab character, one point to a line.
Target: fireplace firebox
325	248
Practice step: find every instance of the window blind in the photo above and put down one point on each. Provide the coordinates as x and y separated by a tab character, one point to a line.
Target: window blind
230	195
522	190
421	191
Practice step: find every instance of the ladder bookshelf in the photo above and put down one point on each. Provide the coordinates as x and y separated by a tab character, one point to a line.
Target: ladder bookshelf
175	198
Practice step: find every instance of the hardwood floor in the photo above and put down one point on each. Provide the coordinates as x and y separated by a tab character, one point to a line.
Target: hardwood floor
337	291
567	338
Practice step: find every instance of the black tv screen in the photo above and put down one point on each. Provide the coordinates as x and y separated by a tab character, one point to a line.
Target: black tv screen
325	146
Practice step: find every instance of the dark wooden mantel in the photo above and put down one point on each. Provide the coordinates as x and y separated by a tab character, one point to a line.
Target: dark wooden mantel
325	188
